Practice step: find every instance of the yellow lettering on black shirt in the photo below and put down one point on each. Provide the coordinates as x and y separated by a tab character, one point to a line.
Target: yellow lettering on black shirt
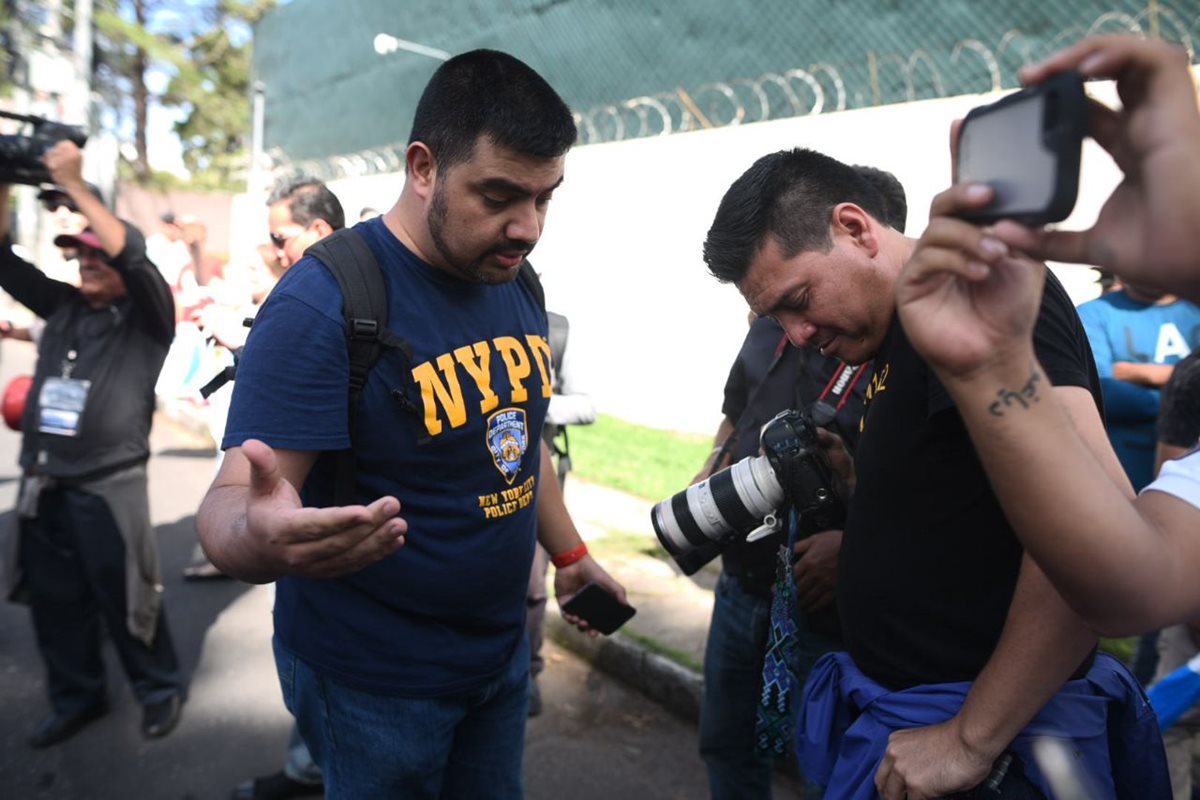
477	360
448	394
517	363
541	354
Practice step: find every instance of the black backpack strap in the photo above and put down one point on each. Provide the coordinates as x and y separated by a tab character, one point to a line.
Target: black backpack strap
220	379
365	306
527	276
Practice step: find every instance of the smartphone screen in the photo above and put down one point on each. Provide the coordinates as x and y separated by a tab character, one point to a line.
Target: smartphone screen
599	608
1027	148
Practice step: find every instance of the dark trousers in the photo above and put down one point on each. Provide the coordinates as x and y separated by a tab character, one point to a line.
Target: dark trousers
73	558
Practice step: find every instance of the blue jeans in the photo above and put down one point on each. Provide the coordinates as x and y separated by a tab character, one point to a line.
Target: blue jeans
733	664
466	745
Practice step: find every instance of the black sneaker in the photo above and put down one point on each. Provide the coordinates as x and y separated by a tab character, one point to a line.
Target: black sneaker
60	727
276	787
159	719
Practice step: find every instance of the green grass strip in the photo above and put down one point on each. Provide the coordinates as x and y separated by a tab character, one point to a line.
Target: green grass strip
647	462
666	651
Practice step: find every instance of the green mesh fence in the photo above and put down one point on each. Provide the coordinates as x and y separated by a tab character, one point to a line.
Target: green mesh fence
340	97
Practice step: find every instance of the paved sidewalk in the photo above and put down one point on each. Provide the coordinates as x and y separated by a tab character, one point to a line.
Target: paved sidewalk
660	651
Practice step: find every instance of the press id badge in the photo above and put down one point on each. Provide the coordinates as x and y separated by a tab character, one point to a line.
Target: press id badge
60	405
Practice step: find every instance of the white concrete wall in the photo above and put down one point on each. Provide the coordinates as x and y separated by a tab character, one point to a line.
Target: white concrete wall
652	333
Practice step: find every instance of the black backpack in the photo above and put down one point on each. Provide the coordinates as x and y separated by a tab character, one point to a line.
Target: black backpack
555	436
365	306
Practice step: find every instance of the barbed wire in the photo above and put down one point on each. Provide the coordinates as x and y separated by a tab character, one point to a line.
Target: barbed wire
814	89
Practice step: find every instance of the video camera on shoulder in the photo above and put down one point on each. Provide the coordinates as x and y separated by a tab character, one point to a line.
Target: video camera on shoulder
21	154
749	498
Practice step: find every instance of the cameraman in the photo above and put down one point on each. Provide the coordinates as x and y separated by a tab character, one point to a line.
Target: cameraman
770	375
85	550
950	630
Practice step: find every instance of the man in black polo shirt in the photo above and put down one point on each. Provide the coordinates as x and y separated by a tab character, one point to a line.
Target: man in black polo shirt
771	375
949	628
768	376
86	552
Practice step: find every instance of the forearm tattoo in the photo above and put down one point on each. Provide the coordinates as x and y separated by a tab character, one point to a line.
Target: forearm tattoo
1023	397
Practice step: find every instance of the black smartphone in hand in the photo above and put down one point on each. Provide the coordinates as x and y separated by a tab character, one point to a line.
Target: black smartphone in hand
599	608
1027	147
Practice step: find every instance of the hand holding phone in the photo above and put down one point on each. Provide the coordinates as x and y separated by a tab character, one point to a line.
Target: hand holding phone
599	608
1027	147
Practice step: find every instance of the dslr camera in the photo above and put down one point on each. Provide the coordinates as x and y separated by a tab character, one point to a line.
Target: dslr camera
748	499
21	154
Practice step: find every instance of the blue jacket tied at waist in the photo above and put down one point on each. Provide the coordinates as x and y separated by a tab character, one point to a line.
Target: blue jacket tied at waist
843	727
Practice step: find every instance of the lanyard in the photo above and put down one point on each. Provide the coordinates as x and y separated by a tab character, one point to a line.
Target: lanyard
71	358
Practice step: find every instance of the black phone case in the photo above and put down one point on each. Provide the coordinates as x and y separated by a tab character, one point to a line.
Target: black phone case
1064	138
599	608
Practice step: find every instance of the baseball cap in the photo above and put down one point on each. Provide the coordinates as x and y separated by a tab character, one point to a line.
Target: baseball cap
55	196
87	238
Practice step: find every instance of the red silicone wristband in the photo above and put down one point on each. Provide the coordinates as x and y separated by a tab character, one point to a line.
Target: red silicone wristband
569	557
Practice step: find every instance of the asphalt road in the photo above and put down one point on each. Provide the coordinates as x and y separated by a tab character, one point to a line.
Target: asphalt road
597	738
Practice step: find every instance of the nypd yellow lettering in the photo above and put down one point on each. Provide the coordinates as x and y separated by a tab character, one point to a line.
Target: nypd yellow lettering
541	355
477	360
518	365
448	394
507	501
441	390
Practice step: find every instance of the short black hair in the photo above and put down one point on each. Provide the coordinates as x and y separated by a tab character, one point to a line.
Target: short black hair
894	197
489	92
308	200
790	196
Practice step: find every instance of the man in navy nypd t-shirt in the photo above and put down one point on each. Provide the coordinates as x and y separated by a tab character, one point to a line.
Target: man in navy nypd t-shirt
399	623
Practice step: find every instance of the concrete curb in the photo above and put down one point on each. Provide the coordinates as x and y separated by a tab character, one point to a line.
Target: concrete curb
675	687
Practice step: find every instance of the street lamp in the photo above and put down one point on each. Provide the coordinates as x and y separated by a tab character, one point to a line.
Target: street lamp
386	43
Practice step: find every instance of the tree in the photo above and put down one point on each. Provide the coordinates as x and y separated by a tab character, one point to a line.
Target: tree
7	48
204	45
124	49
216	92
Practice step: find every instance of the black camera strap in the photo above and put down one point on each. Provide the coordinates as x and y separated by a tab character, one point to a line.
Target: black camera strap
841	385
836	393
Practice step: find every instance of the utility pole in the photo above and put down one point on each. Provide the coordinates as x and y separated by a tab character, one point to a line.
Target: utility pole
79	107
257	179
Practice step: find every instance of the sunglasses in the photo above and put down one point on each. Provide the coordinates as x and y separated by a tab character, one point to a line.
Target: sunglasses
52	204
280	241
